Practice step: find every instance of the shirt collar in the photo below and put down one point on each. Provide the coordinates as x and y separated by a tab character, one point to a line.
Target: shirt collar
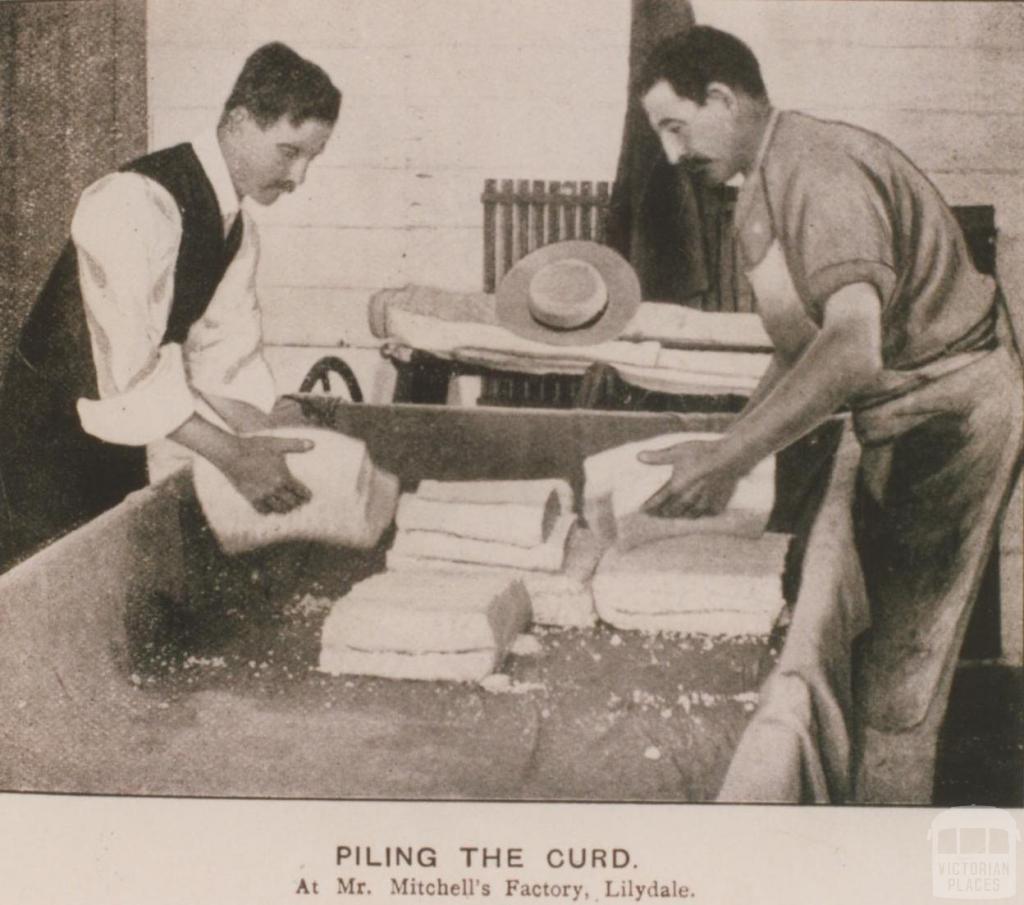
753	178
766	140
207	149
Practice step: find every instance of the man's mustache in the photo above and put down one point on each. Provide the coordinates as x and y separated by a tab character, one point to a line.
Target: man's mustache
693	164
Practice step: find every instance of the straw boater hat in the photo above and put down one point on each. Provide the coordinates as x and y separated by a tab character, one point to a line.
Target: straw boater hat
569	294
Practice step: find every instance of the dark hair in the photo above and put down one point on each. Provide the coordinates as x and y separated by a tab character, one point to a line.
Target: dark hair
691	60
275	81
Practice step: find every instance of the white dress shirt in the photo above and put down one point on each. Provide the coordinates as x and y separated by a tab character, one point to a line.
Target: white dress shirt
127	230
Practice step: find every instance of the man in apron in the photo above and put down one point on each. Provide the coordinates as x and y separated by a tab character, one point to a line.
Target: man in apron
147	333
865	285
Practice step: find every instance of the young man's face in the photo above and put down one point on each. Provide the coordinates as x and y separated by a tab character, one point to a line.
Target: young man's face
705	137
274	159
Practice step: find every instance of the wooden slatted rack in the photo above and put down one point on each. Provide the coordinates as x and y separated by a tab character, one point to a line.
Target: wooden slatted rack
523	215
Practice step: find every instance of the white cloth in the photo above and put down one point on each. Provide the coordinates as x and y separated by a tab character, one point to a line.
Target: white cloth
735	366
546	557
506	523
643	363
681	326
685	371
442	337
353	501
521	513
536	492
127	230
616	485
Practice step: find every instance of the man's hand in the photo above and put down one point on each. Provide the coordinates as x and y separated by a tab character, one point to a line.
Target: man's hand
842	360
261	475
699	485
254	464
287	412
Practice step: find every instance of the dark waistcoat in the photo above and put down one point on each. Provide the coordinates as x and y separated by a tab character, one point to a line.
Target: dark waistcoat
55	338
53	475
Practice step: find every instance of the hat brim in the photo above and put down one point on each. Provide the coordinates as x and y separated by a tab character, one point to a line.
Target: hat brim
513	295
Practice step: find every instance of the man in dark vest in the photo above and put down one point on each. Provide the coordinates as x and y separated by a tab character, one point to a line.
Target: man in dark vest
147	333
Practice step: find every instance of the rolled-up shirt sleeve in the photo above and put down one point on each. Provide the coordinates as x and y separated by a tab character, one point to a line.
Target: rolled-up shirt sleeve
127	230
224	350
836	229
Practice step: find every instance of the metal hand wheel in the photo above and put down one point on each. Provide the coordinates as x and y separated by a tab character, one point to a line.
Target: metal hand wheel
321	373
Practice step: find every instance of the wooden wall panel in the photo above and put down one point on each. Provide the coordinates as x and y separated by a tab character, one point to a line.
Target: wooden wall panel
72	107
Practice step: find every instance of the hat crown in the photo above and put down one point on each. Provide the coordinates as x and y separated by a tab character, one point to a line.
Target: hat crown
567	294
575	292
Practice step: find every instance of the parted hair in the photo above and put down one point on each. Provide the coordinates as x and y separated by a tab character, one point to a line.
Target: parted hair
275	81
691	60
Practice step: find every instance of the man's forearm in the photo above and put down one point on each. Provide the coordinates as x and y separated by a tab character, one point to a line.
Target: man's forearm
208	440
241	417
824	378
773	373
255	465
